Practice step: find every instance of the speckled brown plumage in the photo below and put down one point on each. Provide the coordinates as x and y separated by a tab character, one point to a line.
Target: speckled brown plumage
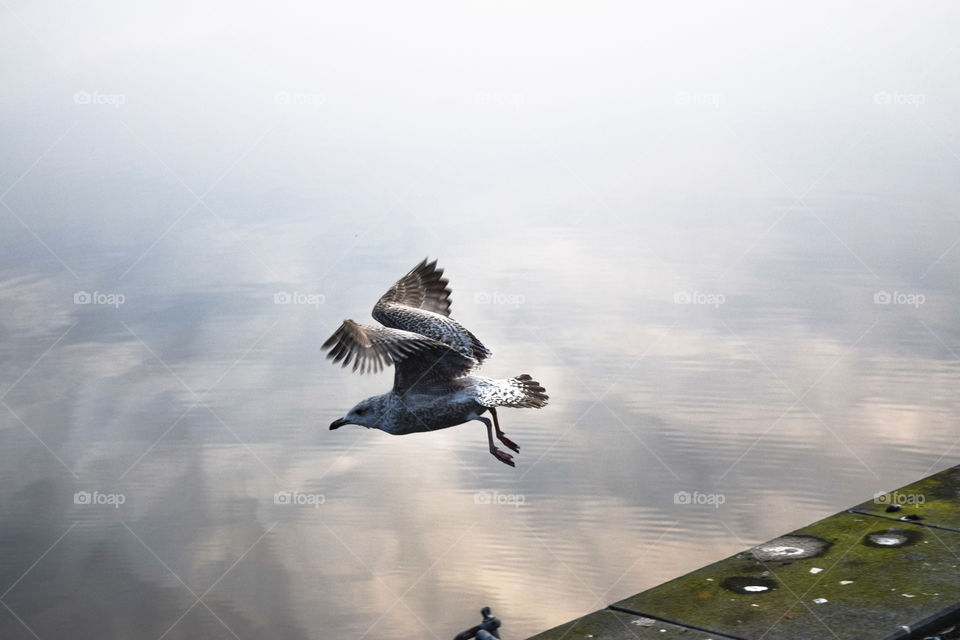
433	356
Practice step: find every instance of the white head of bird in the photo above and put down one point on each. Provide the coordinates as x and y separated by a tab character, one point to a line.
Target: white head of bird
367	413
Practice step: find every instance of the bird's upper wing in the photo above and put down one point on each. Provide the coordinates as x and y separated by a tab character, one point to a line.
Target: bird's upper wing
424	287
420	303
420	360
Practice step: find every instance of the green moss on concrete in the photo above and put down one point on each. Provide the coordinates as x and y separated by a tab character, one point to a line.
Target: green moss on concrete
850	589
615	625
936	500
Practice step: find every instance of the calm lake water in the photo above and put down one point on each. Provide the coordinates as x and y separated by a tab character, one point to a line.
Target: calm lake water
726	241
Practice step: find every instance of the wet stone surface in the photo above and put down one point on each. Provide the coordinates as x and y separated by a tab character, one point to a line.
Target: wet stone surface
790	548
740	584
871	577
933	501
615	625
892	538
867	573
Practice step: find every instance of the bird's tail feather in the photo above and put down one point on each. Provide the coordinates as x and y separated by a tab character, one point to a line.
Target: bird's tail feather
519	392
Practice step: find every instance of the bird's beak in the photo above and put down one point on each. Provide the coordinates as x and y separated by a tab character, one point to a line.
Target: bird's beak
339	422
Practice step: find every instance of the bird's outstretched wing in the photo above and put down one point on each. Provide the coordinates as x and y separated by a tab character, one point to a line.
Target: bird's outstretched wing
419	360
420	303
424	287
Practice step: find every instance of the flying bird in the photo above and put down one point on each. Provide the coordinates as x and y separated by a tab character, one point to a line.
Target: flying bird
434	359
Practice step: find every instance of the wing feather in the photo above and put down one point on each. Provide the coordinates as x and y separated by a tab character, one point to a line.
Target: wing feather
424	287
420	302
419	360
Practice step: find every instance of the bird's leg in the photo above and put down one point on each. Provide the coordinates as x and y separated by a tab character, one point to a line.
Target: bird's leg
501	436
499	454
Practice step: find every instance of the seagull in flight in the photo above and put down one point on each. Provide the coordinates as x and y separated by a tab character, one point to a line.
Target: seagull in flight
434	359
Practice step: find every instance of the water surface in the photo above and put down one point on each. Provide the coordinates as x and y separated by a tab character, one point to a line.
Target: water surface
684	223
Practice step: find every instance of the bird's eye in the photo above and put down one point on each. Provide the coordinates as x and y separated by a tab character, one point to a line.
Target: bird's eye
361	411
